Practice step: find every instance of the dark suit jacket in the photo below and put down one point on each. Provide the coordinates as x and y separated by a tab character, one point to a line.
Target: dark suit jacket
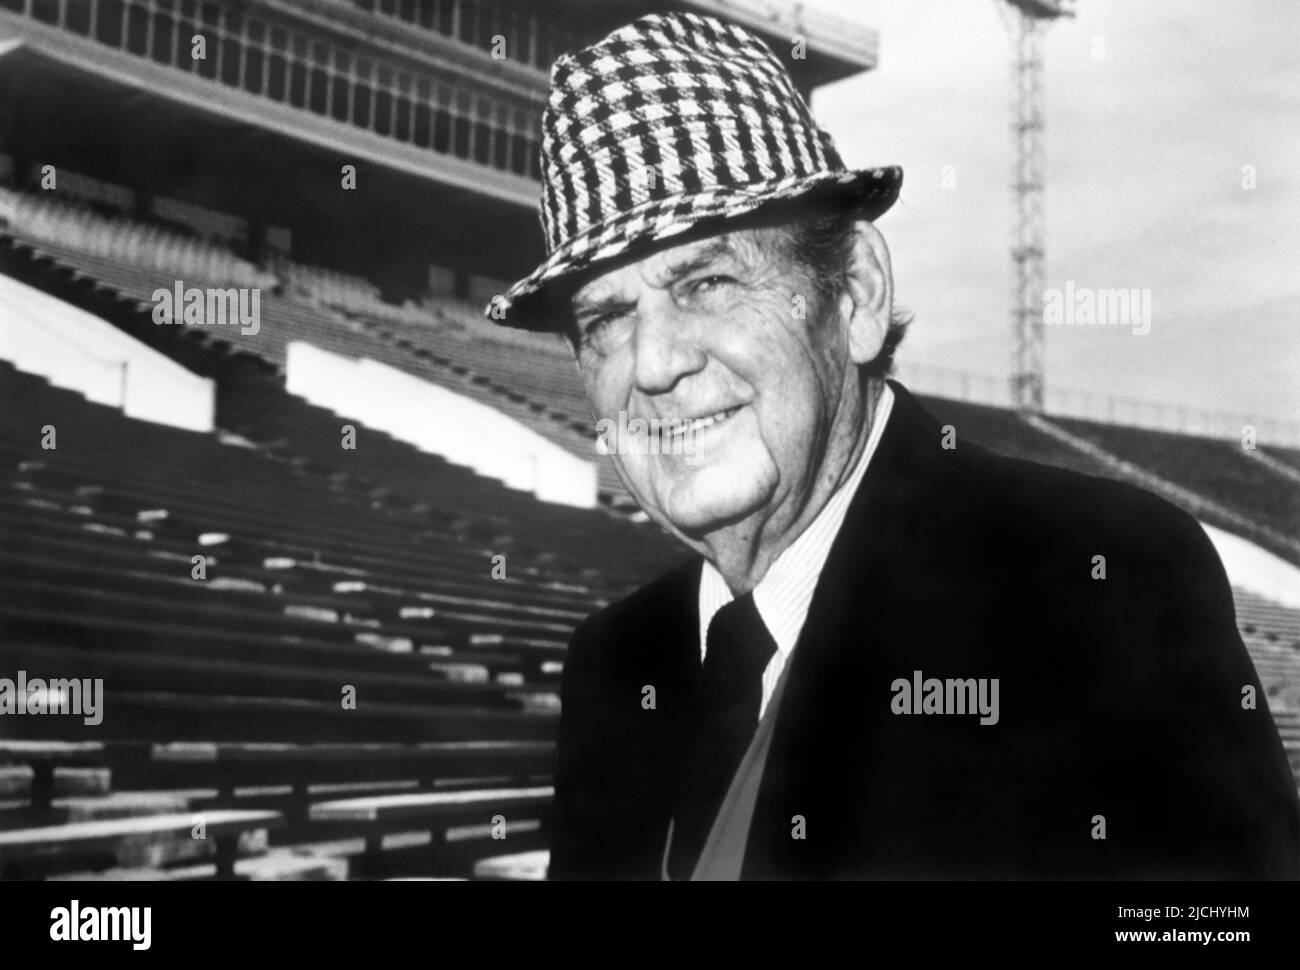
1119	697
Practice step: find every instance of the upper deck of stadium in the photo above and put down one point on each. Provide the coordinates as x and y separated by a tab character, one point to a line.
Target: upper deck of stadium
437	104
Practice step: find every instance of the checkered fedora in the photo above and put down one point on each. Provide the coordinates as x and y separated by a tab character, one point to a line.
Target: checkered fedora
674	119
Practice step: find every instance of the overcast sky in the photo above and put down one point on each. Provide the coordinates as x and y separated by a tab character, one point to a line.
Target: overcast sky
1146	149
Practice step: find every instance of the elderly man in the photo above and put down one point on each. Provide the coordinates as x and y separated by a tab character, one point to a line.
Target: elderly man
892	655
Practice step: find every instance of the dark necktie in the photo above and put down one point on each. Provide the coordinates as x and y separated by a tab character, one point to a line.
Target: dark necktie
729	693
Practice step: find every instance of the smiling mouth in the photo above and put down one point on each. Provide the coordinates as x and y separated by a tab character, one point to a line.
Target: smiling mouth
708	421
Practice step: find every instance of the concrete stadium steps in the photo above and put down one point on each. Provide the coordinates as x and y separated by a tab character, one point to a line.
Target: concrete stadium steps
1279	673
36	773
97	583
86	629
314	580
1289	456
465	825
179	716
441	619
18	790
305	599
231	766
239	768
284	320
541	371
381	844
1271	633
146	669
1218	470
263	412
1211	479
489	376
236	382
437	568
274	865
32	852
1288	726
289	498
1002	432
543	378
459	365
1256	614
515	866
284	811
196	526
43	586
154	637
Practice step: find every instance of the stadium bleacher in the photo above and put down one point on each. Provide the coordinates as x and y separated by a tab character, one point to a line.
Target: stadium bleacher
1216	469
1004	432
311	586
327	310
1288	456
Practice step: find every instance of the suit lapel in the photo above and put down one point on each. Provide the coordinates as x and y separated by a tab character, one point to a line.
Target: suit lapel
666	654
820	712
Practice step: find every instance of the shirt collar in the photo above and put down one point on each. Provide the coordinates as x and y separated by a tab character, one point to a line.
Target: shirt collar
784	594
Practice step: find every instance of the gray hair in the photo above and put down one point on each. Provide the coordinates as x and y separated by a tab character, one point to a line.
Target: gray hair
820	239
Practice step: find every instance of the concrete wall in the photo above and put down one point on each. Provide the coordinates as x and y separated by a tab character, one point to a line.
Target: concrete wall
78	351
440	422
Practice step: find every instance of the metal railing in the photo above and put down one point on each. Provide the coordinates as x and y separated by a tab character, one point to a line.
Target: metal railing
262	53
530	39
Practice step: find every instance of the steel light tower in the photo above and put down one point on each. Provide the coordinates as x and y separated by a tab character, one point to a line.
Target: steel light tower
1027	21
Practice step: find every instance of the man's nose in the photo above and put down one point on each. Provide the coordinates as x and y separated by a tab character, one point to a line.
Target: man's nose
667	347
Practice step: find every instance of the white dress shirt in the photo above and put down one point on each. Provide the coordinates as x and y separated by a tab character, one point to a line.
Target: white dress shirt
783	596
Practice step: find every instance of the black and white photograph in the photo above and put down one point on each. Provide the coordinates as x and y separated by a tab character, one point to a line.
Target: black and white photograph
627	441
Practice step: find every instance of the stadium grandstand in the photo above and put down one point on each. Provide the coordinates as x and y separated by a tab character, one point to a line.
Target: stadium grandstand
326	555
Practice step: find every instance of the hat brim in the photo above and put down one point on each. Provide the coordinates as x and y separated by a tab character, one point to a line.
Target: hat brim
525	306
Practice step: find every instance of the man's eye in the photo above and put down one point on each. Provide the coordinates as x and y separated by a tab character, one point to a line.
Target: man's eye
711	283
599	323
605	332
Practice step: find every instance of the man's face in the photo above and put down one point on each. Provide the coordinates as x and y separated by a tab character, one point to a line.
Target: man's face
727	335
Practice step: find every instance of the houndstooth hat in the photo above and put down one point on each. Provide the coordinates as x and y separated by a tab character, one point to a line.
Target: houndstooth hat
673	119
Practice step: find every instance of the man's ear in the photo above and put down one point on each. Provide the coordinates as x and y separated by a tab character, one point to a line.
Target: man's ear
868	296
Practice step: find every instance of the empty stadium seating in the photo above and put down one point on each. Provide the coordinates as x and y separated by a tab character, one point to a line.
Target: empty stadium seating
1289	456
319	579
120	240
1006	433
1216	469
329	311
